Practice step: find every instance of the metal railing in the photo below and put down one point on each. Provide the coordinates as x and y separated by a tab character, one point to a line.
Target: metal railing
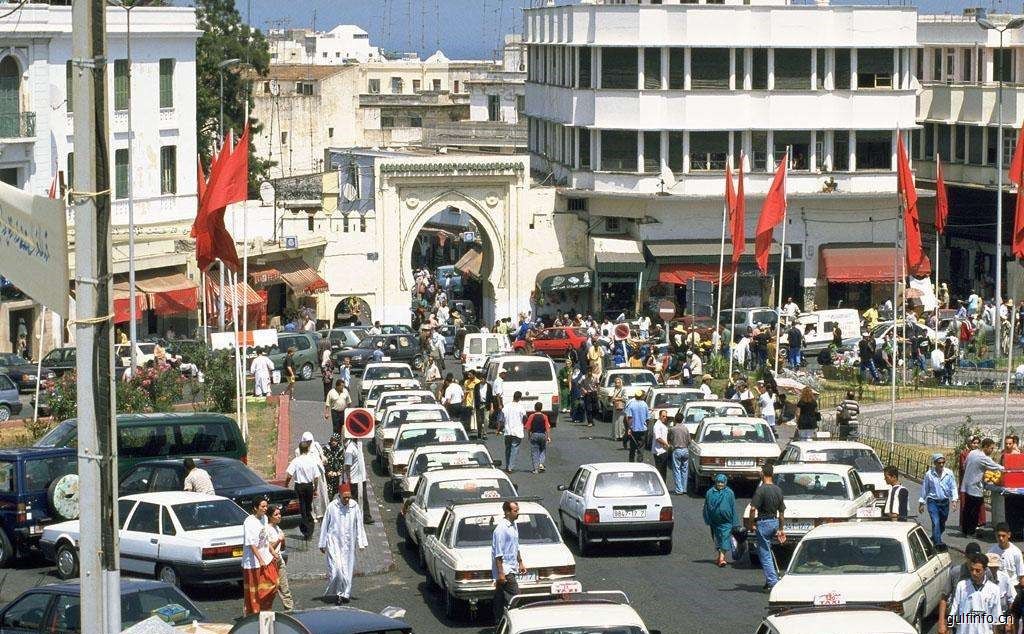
17	125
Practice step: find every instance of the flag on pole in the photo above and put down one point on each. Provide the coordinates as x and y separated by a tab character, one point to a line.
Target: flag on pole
730	192
1018	212
736	220
773	211
228	183
916	260
941	200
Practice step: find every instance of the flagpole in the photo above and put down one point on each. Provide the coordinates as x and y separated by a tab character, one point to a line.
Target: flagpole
721	251
895	322
239	380
732	319
245	304
782	258
201	317
39	364
1009	366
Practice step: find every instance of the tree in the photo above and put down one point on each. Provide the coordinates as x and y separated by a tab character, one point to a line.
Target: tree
226	37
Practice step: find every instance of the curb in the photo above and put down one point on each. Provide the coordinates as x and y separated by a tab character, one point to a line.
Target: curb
284	424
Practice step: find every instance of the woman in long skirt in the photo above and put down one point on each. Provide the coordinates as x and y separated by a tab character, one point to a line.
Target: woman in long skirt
720	516
258	592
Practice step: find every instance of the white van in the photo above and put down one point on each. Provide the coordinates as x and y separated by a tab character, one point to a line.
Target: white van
476	347
818	325
534	376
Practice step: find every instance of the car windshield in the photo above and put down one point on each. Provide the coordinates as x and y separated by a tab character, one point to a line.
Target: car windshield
413	438
441	494
41	472
345	335
483	345
520	371
736	432
380	388
863	460
233	475
589	629
811	485
847	555
627	484
396	419
195	516
632	378
697	413
422	462
11	360
387	372
533	528
63	435
675	399
139	606
369	342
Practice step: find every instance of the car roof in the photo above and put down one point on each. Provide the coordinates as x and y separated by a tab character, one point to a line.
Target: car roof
823	445
345	620
172	497
607	467
502	358
75	588
475	509
841	621
13	453
672	388
861	529
452	447
387	364
201	461
717	402
821	467
182	418
733	420
469	473
571	615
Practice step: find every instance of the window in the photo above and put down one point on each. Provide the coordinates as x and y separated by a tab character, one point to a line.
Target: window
619	67
584	151
396	85
950	64
374	87
71	169
928	131
494	107
652	152
800	142
652	68
842	69
576	204
145	519
416	85
819	79
937	64
708	150
676	68
330	133
284	137
166	525
387	122
168	169
1003	64
967	66
874	150
618	151
792	69
1009	143
28	613
585	70
917	551
121	84
436	85
874	68
213	438
919	71
455	87
197	516
943	145
135	482
69	86
612	225
415	122
520	104
974	147
709	68
67	614
675	152
759	69
759	150
840	151
304	88
167	83
121	174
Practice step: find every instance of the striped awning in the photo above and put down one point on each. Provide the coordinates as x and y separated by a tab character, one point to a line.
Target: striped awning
299	276
245	296
168	293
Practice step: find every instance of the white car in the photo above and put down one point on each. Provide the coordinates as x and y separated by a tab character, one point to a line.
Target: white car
411	435
144	353
387	373
887	565
616	502
737	446
670	399
178	537
476	347
429	457
915	329
851	620
696	411
437	489
394	417
410	396
857	455
572	612
819	493
633	379
533	376
458	553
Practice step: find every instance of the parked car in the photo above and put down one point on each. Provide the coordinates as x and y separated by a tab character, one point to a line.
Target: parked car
231	479
401	396
22	371
10	403
817	327
343	337
633	379
374	373
840	619
399	347
438	488
696	411
854	454
306	353
556	342
737	446
57	607
670	399
144	352
533	376
394	417
763	316
440	456
388	386
60	361
333	620
179	537
476	347
37	488
415	434
164	435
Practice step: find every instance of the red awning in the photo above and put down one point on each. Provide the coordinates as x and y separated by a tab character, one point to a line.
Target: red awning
863	265
169	293
299	276
264	274
245	294
123	304
683	273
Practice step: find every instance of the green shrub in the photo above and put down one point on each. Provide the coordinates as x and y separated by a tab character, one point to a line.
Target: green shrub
219	387
62	397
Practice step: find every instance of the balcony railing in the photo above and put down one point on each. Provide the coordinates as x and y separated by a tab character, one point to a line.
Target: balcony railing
17	125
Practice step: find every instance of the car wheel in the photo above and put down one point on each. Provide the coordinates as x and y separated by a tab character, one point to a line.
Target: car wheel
665	547
306	372
451	604
168	575
5	413
67	561
581	540
423	566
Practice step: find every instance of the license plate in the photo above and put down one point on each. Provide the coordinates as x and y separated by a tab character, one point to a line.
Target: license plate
830	598
869	512
640	513
35	530
739	462
237	552
529	577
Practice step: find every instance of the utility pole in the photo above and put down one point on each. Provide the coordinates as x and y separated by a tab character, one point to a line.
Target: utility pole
97	448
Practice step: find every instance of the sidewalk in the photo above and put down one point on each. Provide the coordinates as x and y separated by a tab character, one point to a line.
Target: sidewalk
305	561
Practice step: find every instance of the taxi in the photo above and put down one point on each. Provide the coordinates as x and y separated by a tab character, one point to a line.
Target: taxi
737	446
437	489
889	566
696	411
400	396
633	379
430	457
388	371
389	386
837	620
458	552
855	454
615	502
671	399
397	415
414	434
568	609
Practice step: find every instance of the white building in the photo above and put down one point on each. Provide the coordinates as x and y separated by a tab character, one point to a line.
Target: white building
619	94
343	44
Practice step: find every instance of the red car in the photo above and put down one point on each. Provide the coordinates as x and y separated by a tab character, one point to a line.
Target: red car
555	342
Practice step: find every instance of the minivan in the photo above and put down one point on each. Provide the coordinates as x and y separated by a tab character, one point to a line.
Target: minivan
477	346
306	350
748	318
818	325
162	435
533	376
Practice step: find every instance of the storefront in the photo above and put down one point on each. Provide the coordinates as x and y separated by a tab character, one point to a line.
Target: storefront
862	276
166	300
287	288
240	294
682	261
563	290
619	265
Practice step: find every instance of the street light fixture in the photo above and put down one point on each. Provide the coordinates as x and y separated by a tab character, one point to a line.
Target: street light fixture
221	67
988	25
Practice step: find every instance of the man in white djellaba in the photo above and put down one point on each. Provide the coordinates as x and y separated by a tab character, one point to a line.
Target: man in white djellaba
262	367
340	534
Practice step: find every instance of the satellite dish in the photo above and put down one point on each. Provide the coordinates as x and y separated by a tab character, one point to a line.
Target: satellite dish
349	193
267	193
275	87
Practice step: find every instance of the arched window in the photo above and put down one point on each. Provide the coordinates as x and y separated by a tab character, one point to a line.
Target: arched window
10	103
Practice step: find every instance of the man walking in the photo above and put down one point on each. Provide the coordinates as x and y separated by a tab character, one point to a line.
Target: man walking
636	426
453	397
866	352
304	471
335	404
679	440
978	462
847	413
506	560
355	475
513	429
341	533
262	369
767	511
976	604
660	447
289	372
938	491
795	339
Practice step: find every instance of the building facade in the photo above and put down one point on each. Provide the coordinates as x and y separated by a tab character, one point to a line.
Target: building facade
345	43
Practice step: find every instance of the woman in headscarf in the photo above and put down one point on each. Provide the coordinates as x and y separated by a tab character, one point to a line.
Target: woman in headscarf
720	516
321	498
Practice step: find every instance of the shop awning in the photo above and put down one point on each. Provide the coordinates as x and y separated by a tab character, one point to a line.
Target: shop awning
470	263
566	278
683	273
168	293
299	276
862	264
246	296
123	303
618	254
703	251
264	274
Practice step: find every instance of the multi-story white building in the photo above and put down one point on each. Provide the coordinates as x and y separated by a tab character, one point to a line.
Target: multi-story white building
343	44
621	94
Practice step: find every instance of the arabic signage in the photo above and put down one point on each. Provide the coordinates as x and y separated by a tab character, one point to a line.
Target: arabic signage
567	281
34	246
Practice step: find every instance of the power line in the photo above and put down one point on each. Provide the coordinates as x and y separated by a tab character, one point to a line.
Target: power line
15	9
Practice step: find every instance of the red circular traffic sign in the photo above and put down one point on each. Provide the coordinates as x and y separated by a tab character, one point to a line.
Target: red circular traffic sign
621	331
666	309
359	422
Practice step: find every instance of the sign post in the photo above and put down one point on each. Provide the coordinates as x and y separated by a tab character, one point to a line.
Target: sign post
667	312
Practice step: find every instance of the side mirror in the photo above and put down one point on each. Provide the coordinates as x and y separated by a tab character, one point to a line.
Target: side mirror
562	487
869	487
429	530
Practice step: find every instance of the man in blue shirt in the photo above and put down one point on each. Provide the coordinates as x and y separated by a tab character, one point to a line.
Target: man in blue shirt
636	426
506	561
344	371
938	491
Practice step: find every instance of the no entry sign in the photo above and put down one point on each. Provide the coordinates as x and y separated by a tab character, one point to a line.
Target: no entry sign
358	423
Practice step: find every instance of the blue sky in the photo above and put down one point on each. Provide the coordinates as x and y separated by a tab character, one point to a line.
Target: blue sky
465	28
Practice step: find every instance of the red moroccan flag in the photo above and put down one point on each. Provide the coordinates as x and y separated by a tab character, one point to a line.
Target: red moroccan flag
1017	162
773	211
916	261
941	200
229	177
730	192
736	220
1018	220
201	181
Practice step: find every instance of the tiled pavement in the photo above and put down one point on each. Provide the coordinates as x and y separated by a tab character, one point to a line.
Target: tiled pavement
305	561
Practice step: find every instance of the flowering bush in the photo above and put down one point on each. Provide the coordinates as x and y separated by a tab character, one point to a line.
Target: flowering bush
61	397
152	389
